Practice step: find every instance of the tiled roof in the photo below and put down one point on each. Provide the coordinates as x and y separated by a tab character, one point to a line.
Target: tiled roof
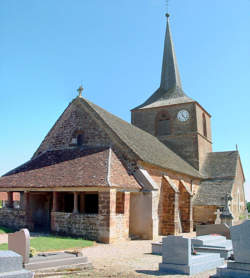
64	168
147	147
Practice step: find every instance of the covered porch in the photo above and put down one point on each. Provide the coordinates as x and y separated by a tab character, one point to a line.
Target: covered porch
101	215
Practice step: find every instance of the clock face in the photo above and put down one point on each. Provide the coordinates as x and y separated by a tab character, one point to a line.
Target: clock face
183	115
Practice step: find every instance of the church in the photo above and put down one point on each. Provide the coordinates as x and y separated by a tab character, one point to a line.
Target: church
99	177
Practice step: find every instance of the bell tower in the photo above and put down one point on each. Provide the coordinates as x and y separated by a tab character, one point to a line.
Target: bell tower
177	120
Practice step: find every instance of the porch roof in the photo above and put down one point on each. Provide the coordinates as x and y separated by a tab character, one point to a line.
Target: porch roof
76	167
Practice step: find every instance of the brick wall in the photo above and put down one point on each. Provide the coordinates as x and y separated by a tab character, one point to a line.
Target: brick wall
168	210
74	118
185	204
13	218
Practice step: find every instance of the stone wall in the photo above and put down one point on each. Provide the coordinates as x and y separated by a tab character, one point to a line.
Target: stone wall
13	218
140	223
185	138
74	118
107	226
83	225
238	205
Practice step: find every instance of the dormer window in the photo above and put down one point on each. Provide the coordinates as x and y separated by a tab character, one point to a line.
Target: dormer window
77	138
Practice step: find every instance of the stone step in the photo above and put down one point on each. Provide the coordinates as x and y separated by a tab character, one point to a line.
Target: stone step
17	274
10	261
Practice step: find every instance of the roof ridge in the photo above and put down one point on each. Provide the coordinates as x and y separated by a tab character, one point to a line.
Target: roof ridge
125	138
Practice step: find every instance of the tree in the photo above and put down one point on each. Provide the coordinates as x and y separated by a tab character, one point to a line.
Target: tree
248	206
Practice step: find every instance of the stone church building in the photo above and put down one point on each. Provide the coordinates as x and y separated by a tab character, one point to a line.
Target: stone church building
99	177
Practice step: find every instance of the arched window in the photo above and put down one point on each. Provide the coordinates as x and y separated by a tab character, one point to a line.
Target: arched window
163	124
77	138
204	125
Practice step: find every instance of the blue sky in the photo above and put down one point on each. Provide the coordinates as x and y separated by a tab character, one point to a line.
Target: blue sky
114	48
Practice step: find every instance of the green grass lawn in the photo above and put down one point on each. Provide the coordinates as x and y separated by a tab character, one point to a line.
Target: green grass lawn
52	243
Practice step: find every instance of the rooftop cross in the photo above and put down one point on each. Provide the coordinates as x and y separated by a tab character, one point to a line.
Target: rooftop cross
79	90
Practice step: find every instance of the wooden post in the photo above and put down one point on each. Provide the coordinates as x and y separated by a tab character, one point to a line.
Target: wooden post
54	206
75	203
10	200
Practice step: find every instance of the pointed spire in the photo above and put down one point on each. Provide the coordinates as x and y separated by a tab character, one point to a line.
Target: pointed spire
170	76
170	90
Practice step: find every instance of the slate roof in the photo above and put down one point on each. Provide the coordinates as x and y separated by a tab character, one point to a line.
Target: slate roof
221	164
147	147
220	168
162	98
65	168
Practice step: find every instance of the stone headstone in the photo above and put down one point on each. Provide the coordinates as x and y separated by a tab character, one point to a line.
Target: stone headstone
217	220
19	242
240	267
241	242
220	229
177	257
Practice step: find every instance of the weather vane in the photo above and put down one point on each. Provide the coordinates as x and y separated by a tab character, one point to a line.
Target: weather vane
167	7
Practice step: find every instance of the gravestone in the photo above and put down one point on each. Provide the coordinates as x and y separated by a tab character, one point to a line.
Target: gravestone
240	267
11	266
217	220
177	257
220	229
19	242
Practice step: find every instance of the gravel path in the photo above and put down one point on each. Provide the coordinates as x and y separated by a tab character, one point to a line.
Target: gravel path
127	259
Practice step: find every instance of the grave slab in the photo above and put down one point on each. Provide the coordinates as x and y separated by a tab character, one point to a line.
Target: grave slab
205	244
177	257
56	260
11	266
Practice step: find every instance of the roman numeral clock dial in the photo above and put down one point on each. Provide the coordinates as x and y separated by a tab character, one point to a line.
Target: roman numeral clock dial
183	115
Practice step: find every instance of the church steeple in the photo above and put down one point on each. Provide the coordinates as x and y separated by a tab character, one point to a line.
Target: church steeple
170	76
170	90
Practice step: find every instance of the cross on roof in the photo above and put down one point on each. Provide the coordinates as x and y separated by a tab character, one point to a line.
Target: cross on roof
79	90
